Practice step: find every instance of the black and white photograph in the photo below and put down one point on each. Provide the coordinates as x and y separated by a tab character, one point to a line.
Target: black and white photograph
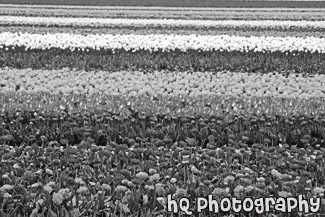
162	108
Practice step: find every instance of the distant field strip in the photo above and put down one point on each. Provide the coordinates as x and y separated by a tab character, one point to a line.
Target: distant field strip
108	22
165	13
152	8
145	31
176	3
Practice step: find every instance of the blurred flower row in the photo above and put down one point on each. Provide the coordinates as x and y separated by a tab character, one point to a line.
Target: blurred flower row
110	22
172	13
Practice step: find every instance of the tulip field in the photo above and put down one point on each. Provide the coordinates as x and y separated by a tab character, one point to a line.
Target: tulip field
109	111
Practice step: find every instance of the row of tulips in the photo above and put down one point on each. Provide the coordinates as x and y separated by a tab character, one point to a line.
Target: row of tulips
128	83
167	13
155	42
162	52
141	60
145	31
109	22
164	107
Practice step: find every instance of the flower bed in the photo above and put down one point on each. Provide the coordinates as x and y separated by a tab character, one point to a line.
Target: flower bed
87	161
203	106
128	83
166	43
163	52
175	3
163	31
192	60
104	146
166	13
109	22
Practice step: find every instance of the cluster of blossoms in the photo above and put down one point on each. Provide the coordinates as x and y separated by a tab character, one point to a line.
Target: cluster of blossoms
109	22
157	42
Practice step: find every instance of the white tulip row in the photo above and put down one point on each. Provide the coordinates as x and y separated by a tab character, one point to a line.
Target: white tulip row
108	22
165	43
